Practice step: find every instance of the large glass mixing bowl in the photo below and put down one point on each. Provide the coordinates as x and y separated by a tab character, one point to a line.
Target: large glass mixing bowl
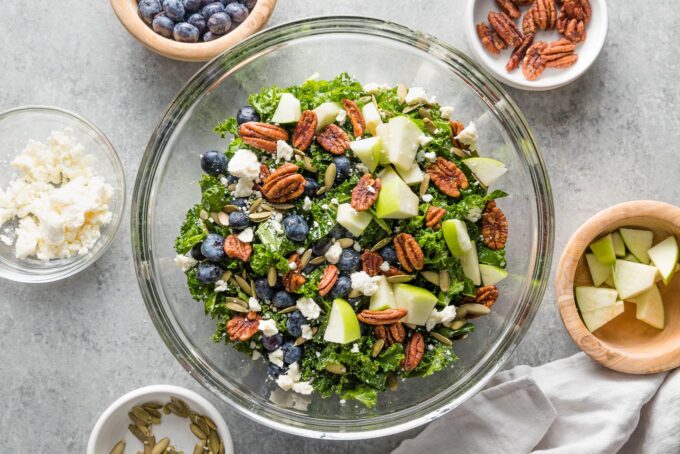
372	51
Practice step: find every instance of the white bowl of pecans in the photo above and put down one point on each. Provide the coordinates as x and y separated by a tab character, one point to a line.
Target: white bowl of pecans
536	44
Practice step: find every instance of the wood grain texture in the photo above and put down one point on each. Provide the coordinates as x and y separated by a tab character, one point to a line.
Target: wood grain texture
126	10
625	344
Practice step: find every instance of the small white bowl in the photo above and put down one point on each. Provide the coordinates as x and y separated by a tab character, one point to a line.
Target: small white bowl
477	11
112	425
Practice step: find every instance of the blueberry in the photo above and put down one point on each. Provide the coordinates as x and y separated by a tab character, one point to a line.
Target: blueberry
192	5
250	4
174	9
321	246
342	168
246	114
237	12
226	2
238	220
389	254
212	8
208	273
262	289
196	252
349	260
213	162
241	202
342	287
271	343
282	299
339	231
231	179
163	25
291	353
309	268
296	228
184	32
209	36
148	9
311	186
198	21
273	370
213	247
219	23
206	2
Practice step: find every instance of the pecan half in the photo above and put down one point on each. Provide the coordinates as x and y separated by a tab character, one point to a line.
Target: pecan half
236	248
544	14
264	172
578	9
304	131
386	317
559	54
490	40
333	139
413	352
456	128
370	263
519	53
487	295
243	327
433	216
262	135
528	25
365	193
409	253
572	29
328	279
522	2
447	177
494	226
393	271
509	8
284	184
533	65
293	279
506	28
392	334
355	116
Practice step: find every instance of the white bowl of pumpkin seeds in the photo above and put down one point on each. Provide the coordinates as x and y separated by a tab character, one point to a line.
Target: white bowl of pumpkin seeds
163	419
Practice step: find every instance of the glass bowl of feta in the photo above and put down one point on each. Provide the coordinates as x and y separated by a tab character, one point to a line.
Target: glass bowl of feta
377	55
62	194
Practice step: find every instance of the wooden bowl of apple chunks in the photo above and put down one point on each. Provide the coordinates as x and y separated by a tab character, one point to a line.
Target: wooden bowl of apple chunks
618	292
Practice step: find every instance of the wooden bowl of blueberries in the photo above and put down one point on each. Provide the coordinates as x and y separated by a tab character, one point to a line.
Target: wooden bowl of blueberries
192	30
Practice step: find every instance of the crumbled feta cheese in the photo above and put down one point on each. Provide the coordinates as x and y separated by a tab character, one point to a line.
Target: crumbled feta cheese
183	262
420	156
268	327
430	155
324	206
276	225
341	117
356	246
291	380
430	347
224	180
427	198
278	217
446	111
6	240
256	355
254	305
285	382
468	136
372	87
300	250
303	387
309	308
221	286
424	140
364	283
283	151
444	316
318	354
246	235
307	332
334	201
473	214
343	401
417	95
307	204
244	164
276	356
292	265
385	266
333	253
244	188
355	348
370	189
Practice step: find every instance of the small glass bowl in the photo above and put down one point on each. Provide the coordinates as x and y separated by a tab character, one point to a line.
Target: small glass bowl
19	125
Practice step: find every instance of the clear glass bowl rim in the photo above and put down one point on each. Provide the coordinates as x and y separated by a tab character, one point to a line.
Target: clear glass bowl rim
79	263
517	129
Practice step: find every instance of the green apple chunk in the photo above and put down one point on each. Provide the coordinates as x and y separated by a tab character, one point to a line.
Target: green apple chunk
492	275
343	326
619	246
396	200
610	280
599	317
416	300
414	175
403	142
649	308
594	298
604	250
384	297
630	258
456	237
353	220
631	279
288	110
598	272
372	118
664	256
368	151
638	242
470	262
326	113
486	170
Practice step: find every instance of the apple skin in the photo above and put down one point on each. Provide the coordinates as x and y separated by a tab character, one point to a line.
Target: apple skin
416	300
603	249
598	272
638	242
368	151
288	110
492	275
619	246
343	325
456	237
396	200
470	262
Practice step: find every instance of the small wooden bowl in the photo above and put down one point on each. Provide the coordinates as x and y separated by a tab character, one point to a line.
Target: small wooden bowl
625	344
126	10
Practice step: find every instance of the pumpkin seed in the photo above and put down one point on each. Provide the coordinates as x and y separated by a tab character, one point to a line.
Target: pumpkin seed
214	217
458	152
307	164
264	206
299	341
214	442
424	185
411	108
444	280
245	286
137	420
200	422
377	347
399	278
304	260
375	102
166	409
461	313
329	176
197	431
336	368
230	209
271	276
199	449
317	260
226	276
283	206
457	324
239	301
288	310
255	205
137	433
152	405
423	112
430	126
465	336
364	99
392	382
475	309
402	91
203	215
382	243
354	294
210	423
153	413
180	405
298	152
119	448
140	413
161	446
221	451
260	217
237	308
431	277
252	287
440	338
321	190
345	242
232	187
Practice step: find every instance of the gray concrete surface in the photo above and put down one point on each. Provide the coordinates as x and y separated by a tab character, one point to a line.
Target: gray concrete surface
70	348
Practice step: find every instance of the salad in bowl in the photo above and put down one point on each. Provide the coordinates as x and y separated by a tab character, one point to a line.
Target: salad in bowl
347	237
